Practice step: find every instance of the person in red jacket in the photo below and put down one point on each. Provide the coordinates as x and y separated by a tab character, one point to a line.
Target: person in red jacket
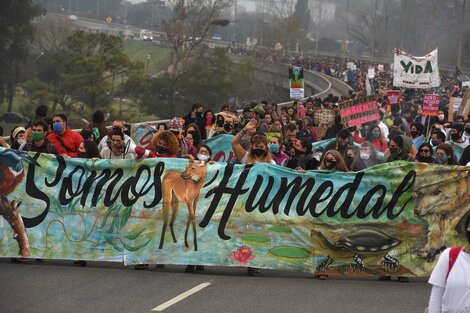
65	140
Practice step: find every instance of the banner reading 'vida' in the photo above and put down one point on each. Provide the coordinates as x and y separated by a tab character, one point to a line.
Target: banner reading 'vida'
391	219
415	72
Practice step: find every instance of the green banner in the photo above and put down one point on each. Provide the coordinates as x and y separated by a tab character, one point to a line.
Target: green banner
391	219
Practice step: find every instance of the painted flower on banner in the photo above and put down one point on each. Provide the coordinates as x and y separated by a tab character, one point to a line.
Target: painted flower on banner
242	255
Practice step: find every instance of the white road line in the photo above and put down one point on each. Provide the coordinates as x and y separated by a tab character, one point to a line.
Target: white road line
182	296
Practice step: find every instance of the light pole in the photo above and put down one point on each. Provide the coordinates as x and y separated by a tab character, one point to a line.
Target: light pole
459	52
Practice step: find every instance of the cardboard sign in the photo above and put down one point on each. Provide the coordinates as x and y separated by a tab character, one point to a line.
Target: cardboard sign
359	111
323	117
371	72
431	104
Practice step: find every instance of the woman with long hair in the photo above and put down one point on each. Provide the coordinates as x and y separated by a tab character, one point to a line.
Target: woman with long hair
333	161
257	153
425	154
209	121
165	144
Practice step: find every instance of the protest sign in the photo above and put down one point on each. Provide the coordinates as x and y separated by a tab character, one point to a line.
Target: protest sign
371	72
359	111
393	96
431	104
296	85
454	104
261	216
380	67
415	72
323	117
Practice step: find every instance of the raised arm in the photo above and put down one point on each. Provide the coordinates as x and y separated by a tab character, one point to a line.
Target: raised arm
249	129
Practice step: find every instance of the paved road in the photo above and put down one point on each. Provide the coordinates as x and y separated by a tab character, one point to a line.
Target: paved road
57	286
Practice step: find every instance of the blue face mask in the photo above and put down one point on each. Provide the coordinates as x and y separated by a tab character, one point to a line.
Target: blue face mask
273	147
442	159
58	127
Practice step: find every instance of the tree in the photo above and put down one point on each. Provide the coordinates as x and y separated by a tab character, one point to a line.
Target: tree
16	32
92	67
302	13
186	31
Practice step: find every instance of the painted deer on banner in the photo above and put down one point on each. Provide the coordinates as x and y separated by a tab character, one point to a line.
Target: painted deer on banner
185	186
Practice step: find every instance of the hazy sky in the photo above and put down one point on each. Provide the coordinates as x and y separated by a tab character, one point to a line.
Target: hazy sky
248	4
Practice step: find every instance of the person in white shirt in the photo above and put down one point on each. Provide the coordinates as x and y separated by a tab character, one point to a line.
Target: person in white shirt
106	141
451	287
118	150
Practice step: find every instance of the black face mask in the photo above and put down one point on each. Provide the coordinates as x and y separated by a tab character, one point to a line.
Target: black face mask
220	123
161	149
198	114
228	127
434	142
468	236
330	164
348	159
414	133
455	136
175	132
299	153
259	152
467	130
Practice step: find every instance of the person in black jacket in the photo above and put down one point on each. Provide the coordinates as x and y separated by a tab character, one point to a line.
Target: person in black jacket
303	159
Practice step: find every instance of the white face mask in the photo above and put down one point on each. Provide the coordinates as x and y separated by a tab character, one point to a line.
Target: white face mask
21	141
364	155
203	157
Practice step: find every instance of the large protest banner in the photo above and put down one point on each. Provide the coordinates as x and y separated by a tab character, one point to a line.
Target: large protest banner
415	72
390	219
359	111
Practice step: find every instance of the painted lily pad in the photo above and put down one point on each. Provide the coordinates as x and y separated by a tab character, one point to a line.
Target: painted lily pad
256	239
290	253
282	230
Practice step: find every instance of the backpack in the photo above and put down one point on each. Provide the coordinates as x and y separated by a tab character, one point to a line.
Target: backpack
453	255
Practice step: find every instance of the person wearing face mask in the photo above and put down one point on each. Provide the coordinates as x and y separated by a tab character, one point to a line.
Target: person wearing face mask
457	142
64	139
441	117
39	141
209	120
165	145
450	278
258	151
204	154
351	154
376	137
445	155
193	142
88	150
466	134
366	158
302	160
425	154
278	155
437	137
195	116
18	137
399	149
465	157
333	161
118	148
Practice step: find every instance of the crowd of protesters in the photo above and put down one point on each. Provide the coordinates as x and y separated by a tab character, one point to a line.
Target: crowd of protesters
264	133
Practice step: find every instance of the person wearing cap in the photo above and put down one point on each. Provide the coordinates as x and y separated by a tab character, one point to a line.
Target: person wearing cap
18	137
64	139
258	112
